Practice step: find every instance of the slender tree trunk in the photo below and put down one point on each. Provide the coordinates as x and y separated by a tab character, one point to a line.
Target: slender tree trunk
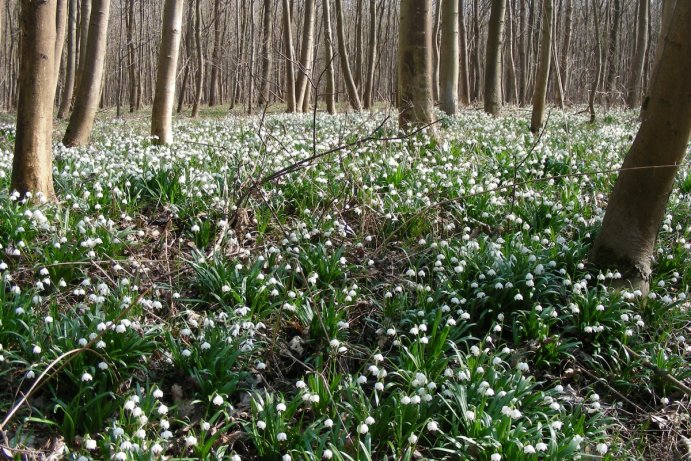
345	65
267	35
371	54
449	58
566	49
610	86
542	77
476	50
511	90
162	110
71	59
199	53
215	55
633	99
89	90
305	71
359	43
32	169
637	203
328	58
598	54
131	56
290	73
493	63
435	51
188	48
464	71
415	64
60	30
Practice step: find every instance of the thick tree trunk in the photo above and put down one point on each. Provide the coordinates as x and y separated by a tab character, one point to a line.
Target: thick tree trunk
71	60
371	54
215	55
465	70
199	89
89	89
637	203
330	95
267	35
305	71
633	98
32	169
493	62
512	84
290	73
85	16
415	107
449	58
476	50
345	65
542	77
164	99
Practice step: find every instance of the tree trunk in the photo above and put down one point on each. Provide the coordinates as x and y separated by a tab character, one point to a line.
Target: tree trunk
435	52
71	67
188	48
449	58
215	55
345	65
542	77
328	58
131	55
267	34
305	70
32	169
637	203
359	19
464	71
476	50
85	15
610	86
598	69
60	30
493	69
290	73
511	90
89	89
415	107
371	54
162	110
633	99
565	49
199	90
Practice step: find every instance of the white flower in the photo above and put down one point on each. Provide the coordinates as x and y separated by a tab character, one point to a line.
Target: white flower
541	446
191	441
363	428
281	436
328	423
470	415
158	393
286	457
218	400
37	349
602	448
432	426
328	454
281	407
412	439
369	420
156	448
495	457
529	450
261	425
90	444
162	409
87	377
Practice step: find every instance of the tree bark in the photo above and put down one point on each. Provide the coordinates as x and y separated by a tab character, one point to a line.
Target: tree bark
493	99
32	162
164	99
85	15
435	51
449	58
565	50
542	78
476	50
633	99
610	86
267	34
415	107
371	54
353	96
290	72
188	48
199	90
464	71
60	30
637	203
305	70
215	55
89	89
359	44
330	95
71	61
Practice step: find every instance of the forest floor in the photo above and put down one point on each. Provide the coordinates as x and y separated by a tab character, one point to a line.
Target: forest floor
417	298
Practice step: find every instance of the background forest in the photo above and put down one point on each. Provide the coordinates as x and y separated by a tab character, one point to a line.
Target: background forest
345	229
